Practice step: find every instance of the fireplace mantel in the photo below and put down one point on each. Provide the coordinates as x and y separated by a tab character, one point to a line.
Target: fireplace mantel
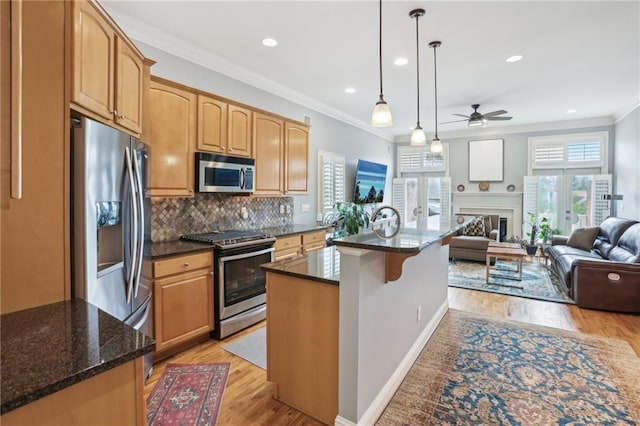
505	204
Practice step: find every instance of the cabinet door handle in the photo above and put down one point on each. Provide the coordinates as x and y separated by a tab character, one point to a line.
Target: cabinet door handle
122	116
186	264
230	149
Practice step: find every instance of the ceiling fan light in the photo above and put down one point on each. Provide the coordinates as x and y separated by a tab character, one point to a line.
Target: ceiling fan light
475	123
418	138
436	146
381	115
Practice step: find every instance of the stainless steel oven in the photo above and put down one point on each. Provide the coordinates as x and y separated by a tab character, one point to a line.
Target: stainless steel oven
239	282
241	290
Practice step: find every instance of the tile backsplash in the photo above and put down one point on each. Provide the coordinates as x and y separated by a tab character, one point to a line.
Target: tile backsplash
174	217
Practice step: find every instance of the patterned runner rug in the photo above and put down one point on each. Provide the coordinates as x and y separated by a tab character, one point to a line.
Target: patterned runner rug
478	370
188	394
538	282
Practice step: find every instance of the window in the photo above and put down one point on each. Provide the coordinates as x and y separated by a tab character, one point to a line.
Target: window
420	160
331	169
569	151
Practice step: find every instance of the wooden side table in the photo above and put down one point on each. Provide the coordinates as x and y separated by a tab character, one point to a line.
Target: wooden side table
509	251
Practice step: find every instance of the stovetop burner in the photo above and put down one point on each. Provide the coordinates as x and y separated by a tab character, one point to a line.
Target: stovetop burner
228	239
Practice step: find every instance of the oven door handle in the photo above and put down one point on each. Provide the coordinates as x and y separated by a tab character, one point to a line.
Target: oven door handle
223	258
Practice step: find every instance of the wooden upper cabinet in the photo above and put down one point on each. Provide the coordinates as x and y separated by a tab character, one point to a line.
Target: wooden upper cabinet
212	125
172	134
268	137
296	157
93	60
107	70
128	85
239	131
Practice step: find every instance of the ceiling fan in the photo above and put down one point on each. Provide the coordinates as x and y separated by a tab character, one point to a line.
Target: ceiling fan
478	119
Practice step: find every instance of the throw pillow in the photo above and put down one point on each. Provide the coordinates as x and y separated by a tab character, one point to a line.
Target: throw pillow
583	238
475	227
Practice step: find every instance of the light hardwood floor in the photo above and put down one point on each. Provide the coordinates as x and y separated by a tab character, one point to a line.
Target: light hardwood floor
248	397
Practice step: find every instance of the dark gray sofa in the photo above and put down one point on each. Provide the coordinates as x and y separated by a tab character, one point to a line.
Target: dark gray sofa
606	276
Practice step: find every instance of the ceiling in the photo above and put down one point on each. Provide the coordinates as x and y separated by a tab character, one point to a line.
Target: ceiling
580	55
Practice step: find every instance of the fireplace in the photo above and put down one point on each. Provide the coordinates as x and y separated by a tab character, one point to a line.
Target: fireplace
505	204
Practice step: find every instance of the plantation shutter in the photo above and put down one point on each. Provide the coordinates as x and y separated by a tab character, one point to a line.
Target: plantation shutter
409	160
600	209
529	200
445	202
331	181
398	199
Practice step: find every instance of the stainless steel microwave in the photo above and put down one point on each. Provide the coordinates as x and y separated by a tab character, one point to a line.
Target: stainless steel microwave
222	173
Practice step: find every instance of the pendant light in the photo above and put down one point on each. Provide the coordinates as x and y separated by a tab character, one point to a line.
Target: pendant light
436	145
381	115
418	137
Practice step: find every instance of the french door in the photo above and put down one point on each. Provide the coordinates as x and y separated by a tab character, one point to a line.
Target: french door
568	198
423	202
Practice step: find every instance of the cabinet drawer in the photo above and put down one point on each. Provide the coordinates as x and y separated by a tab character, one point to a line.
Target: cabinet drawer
287	253
314	246
283	243
314	237
180	264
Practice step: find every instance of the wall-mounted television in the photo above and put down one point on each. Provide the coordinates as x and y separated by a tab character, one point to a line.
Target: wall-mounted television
370	181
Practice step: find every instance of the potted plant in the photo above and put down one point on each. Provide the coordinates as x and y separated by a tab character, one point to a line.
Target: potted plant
531	245
546	231
350	217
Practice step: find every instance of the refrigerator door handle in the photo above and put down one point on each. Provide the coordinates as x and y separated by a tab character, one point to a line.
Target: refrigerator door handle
147	309
140	220
130	281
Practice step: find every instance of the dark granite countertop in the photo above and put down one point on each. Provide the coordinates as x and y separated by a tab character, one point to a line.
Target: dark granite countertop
407	240
282	231
173	248
51	347
177	247
318	265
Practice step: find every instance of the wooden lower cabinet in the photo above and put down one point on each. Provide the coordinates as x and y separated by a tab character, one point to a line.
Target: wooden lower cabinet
114	397
297	245
183	299
303	366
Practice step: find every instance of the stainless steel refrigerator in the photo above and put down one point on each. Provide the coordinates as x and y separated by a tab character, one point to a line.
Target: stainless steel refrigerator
110	223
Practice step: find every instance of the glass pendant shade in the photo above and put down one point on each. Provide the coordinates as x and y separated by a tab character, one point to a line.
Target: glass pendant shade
436	146
381	115
418	138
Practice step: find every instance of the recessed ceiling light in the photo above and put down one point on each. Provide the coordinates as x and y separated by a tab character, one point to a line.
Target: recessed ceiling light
571	111
514	58
350	90
269	42
401	61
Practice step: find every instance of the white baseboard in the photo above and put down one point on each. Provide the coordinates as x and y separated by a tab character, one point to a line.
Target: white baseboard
381	401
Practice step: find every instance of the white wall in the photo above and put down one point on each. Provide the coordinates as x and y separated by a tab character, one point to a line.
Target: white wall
326	133
626	159
515	155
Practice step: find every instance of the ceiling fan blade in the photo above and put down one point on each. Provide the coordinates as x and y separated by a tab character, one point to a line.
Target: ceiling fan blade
455	121
497	118
492	113
460	115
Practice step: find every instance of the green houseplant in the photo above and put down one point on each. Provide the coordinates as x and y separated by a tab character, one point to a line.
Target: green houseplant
350	217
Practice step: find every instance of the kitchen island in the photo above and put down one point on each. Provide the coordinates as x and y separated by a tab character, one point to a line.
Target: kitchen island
345	324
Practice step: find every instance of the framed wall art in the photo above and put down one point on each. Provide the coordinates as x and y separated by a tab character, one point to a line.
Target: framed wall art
486	160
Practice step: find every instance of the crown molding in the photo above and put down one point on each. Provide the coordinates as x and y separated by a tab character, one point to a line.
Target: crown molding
154	37
619	117
523	128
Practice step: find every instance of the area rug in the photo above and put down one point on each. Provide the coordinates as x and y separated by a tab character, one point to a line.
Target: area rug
538	282
252	347
478	370
188	394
